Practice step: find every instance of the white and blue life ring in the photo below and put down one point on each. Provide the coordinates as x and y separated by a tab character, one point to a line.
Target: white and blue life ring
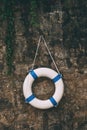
30	97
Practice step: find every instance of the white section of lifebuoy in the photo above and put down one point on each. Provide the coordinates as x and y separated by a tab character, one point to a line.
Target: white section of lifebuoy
43	72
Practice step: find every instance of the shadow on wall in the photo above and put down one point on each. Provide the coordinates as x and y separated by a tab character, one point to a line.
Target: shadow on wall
56	127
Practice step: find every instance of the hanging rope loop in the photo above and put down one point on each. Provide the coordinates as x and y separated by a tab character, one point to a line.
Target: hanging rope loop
38	45
36	52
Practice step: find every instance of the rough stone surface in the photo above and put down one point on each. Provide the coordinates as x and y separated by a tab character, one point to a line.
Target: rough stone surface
71	113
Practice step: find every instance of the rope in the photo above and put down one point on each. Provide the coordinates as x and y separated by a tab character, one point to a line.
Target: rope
48	52
36	53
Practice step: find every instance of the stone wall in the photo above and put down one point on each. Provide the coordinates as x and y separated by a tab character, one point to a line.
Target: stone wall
15	114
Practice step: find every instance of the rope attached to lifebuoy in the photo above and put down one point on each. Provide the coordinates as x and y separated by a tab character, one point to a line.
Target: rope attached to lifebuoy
56	78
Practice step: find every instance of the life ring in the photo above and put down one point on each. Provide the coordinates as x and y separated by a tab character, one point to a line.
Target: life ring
30	97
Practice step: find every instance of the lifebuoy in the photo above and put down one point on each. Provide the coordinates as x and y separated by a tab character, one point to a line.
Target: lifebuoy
43	72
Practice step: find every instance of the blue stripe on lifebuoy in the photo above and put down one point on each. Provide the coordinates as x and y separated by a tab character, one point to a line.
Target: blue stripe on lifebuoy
55	79
53	101
30	98
34	75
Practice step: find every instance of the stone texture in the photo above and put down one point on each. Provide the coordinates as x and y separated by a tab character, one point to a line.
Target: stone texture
71	113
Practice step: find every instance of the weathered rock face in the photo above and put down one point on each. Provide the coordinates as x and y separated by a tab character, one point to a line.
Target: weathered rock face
71	113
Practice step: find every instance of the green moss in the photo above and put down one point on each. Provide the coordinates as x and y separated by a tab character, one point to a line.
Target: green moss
10	35
33	14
